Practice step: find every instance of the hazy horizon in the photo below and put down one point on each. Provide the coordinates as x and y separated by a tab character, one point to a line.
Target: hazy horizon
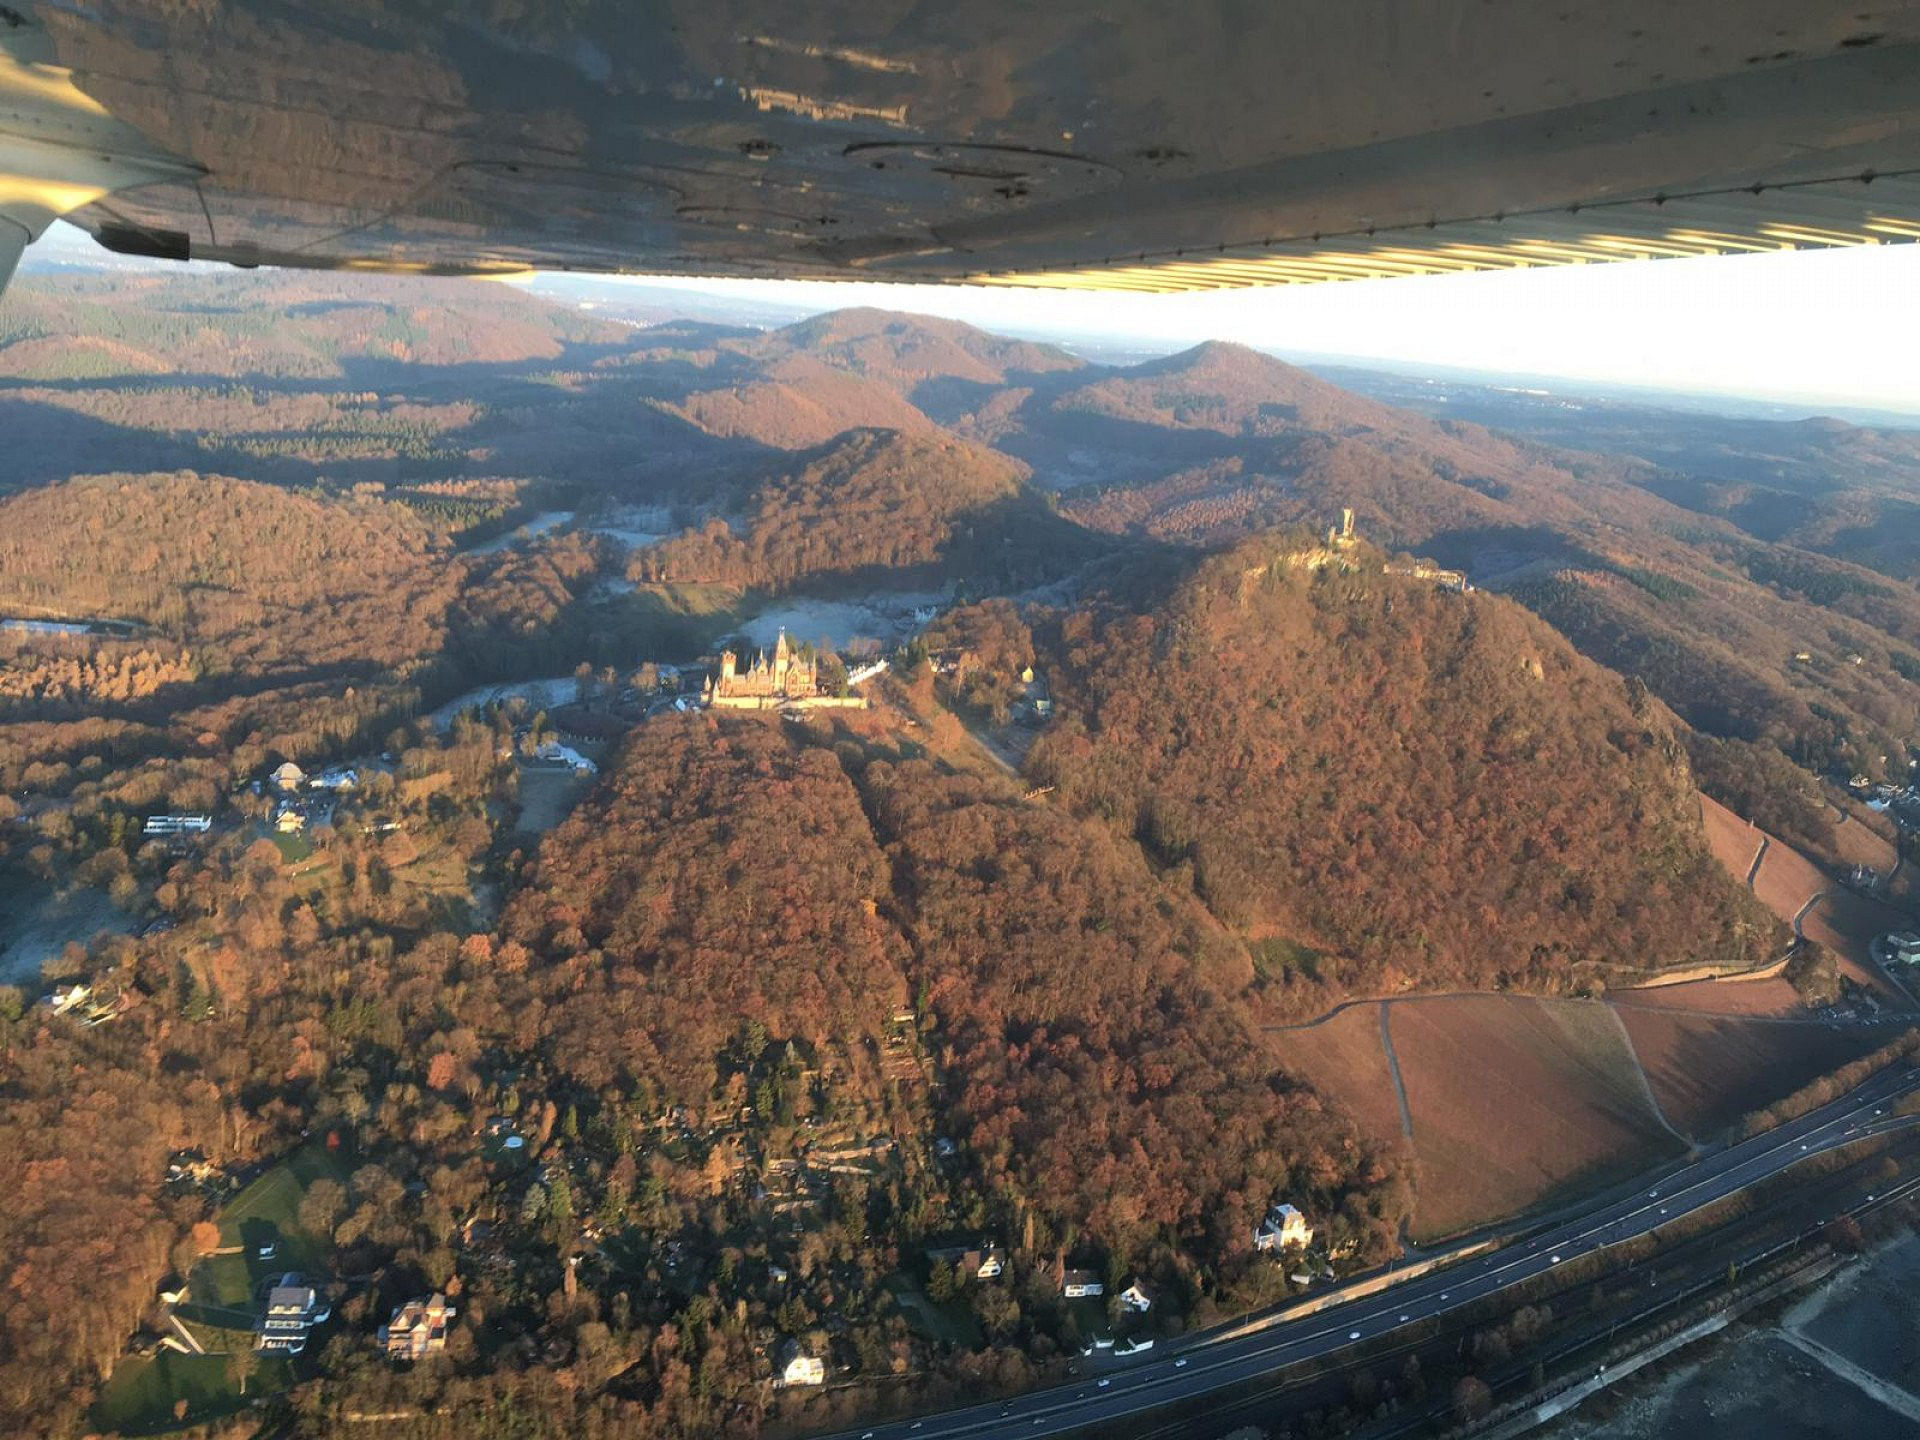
1778	329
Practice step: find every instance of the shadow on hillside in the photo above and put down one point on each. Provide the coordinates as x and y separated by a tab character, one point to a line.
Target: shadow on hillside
1489	553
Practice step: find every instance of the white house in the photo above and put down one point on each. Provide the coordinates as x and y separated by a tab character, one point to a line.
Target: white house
292	1310
1081	1285
289	776
1283	1227
795	1367
1136	1298
987	1264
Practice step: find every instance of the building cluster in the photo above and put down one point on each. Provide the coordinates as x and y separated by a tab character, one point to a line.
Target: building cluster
300	799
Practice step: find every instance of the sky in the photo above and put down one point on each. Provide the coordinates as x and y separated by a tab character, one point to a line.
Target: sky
1832	327
1814	328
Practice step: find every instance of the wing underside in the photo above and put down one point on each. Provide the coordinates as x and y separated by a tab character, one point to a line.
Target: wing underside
1132	146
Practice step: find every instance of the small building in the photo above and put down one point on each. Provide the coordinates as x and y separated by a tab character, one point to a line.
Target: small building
989	1262
1283	1228
289	821
1081	1285
293	1309
554	752
417	1328
984	1261
1902	947
794	1366
162	825
1136	1298
69	997
288	776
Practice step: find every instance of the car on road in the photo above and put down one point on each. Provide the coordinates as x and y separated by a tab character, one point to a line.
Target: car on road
1104	1383
1181	1363
1554	1261
1353	1335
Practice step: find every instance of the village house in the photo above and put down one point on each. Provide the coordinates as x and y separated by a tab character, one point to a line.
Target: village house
1136	1298
288	776
985	1261
293	1309
418	1328
794	1366
989	1263
1081	1285
1283	1228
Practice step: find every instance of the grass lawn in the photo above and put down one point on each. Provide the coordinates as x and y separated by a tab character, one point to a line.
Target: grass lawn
267	1210
293	848
139	1400
952	1323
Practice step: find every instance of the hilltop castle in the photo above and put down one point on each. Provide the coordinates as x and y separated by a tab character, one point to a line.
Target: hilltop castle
787	680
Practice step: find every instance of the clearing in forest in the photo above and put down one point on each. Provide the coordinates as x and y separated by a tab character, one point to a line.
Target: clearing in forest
1517	1102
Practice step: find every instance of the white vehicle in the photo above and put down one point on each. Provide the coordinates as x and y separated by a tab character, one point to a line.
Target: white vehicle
1105	1383
1353	1334
1181	1363
1554	1261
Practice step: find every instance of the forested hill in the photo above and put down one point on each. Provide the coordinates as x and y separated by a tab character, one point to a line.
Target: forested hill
250	576
736	878
1384	785
877	505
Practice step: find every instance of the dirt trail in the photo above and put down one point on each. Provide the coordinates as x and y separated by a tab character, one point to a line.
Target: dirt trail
1393	1068
1646	1085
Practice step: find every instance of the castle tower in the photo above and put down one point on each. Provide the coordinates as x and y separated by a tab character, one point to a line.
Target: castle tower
782	661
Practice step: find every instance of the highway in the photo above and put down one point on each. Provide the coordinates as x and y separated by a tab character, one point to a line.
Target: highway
1188	1369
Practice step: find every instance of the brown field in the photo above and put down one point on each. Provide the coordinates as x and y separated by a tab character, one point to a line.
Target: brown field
1517	1102
1343	1058
1718	997
1857	844
1787	880
1707	1071
1734	842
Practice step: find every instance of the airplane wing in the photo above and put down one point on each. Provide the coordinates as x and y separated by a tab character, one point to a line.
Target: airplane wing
1130	144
